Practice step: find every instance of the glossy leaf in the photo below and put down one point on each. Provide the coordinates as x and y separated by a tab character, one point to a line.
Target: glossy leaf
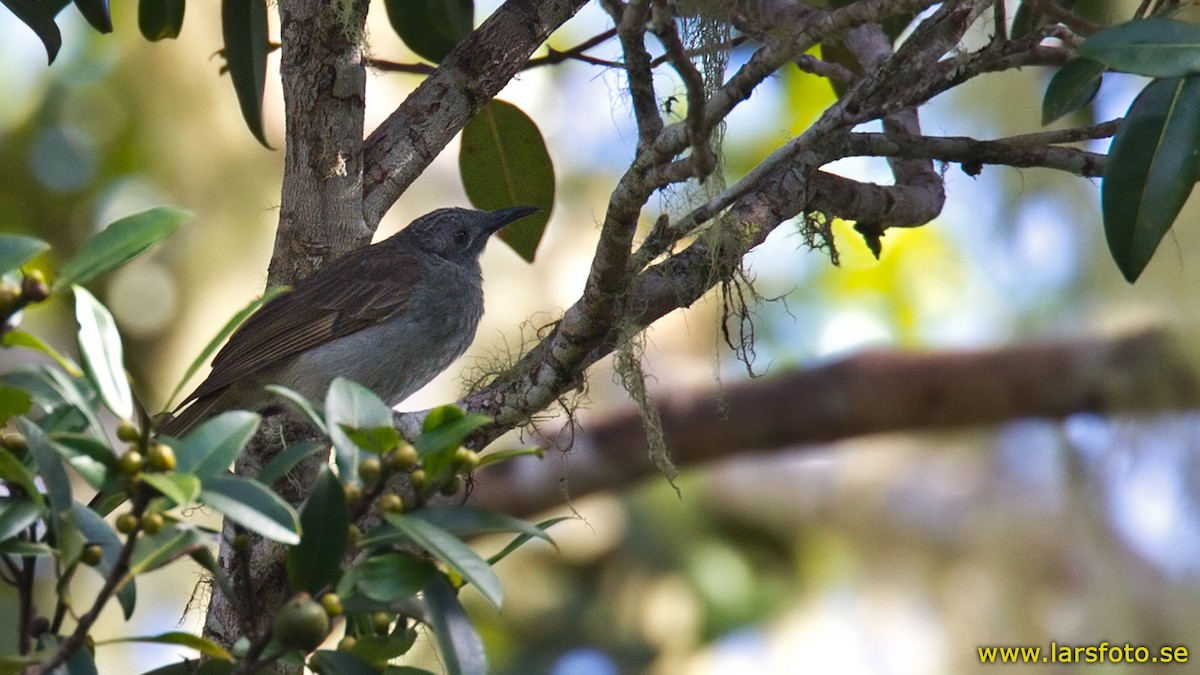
1071	88
13	402
1153	163
209	449
349	404
73	394
1151	47
160	19
14	472
438	443
461	646
154	551
97	14
119	243
180	488
466	520
20	338
505	455
289	457
431	28
96	531
203	645
39	18
377	441
16	515
254	506
16	250
103	357
247	43
316	562
91	458
391	576
450	550
504	162
520	539
49	467
300	403
205	354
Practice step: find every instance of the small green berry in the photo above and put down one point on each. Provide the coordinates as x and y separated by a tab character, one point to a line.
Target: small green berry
128	432
152	523
390	503
452	485
126	523
466	459
381	621
92	555
160	457
403	458
131	462
301	624
369	470
332	604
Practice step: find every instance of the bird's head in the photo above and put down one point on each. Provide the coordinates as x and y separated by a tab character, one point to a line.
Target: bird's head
460	235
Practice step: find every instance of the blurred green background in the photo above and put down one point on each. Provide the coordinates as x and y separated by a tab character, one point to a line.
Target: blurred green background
890	554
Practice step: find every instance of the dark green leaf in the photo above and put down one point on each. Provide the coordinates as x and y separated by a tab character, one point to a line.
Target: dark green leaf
96	12
254	506
503	162
377	441
219	339
20	338
91	458
438	443
154	551
349	404
181	488
329	662
96	531
38	17
462	649
160	19
1151	47
13	471
316	562
119	243
290	456
211	447
18	547
391	576
247	43
505	455
81	663
49	467
1071	88
74	394
210	667
520	540
300	403
13	402
200	644
466	520
103	357
16	515
450	550
431	28
1153	163
16	250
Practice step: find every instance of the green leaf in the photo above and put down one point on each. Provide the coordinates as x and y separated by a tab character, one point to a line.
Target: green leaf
96	531
13	471
119	243
203	645
210	667
466	520
520	540
160	19
209	449
254	506
440	439
431	28
503	162
453	552
13	402
461	646
349	404
302	404
1151	47
1071	88
49	467
505	455
1153	163
391	576
377	441
330	662
39	18
247	43
181	488
157	550
206	354
103	357
316	562
91	458
20	338
290	456
73	395
16	515
16	250
18	547
97	13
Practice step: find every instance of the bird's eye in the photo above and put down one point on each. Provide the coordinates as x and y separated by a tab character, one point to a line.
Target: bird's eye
461	238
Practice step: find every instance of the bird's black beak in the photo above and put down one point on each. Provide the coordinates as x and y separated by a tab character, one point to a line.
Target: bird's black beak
498	219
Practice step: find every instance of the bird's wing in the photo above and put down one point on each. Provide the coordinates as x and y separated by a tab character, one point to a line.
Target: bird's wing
345	297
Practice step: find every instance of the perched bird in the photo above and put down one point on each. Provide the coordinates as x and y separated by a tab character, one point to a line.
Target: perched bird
390	316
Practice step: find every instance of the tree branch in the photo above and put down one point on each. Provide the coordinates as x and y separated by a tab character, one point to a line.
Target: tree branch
869	393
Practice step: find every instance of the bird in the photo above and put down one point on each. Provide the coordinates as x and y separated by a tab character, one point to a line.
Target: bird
390	316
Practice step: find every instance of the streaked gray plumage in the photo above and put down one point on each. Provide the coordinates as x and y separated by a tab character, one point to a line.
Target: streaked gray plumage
390	316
